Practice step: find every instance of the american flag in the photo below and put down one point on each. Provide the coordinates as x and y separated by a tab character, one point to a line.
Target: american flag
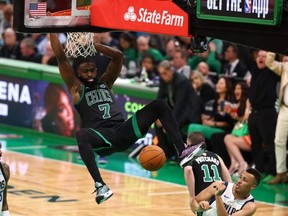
37	8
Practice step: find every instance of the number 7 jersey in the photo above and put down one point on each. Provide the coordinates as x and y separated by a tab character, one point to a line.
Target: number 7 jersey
97	107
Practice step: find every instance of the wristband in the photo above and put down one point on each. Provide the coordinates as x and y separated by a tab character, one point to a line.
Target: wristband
5	213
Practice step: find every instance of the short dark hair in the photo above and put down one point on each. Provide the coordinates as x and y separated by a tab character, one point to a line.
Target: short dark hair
196	138
256	174
79	60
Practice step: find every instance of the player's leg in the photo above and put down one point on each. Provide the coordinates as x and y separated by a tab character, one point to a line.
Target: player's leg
159	109
85	138
233	162
234	145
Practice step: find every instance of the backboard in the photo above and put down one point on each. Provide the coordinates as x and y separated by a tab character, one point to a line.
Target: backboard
53	16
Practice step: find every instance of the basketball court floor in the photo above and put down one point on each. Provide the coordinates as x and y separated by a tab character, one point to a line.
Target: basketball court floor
49	178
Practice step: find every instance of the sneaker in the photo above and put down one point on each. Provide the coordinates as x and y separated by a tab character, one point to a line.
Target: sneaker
103	192
102	160
191	152
199	44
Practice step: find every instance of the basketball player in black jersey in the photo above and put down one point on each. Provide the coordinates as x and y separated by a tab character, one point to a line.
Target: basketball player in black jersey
104	130
205	169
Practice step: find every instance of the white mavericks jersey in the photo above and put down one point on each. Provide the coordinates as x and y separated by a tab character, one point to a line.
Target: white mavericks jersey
2	185
231	204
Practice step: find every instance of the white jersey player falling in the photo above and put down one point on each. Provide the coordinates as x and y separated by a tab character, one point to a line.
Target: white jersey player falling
231	204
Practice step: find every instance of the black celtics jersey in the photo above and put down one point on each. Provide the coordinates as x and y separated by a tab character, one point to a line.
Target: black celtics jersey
206	169
97	107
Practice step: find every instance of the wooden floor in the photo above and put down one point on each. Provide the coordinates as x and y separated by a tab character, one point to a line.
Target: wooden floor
40	187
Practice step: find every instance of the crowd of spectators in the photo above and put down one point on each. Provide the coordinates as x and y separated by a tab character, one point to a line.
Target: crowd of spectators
215	77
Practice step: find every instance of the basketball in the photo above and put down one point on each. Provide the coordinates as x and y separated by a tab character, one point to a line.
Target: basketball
152	158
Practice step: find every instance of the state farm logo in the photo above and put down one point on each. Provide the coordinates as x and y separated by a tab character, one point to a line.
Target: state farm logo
154	17
130	15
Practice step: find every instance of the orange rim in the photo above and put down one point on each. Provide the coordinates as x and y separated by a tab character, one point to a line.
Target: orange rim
67	12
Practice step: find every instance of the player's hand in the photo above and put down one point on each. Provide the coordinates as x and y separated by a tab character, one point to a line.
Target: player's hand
219	188
204	206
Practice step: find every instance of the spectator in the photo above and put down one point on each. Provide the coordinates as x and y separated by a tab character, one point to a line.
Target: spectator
107	40
127	44
204	69
158	41
202	88
284	57
205	169
49	56
143	47
148	72
219	117
263	116
7	20
28	51
41	41
171	46
281	69
215	121
179	62
234	68
11	47
235	144
177	90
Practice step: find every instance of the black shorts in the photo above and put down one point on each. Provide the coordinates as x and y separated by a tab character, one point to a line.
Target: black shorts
116	139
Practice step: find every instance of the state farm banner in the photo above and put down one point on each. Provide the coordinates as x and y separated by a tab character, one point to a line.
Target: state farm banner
153	16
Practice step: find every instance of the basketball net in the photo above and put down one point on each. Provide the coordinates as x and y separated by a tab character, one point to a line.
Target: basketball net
79	44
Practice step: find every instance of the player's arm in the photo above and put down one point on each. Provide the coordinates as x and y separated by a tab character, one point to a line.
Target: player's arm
115	65
190	181
65	68
248	210
225	171
5	208
200	203
247	110
221	211
275	66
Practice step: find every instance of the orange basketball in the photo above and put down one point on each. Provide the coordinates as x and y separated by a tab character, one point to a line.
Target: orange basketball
152	158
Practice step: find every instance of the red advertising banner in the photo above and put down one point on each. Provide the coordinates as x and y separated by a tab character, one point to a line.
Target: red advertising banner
153	16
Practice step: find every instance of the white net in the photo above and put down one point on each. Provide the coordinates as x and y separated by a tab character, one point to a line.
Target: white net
80	44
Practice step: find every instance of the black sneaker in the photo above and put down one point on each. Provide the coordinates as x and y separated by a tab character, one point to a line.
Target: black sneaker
199	44
191	152
103	193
